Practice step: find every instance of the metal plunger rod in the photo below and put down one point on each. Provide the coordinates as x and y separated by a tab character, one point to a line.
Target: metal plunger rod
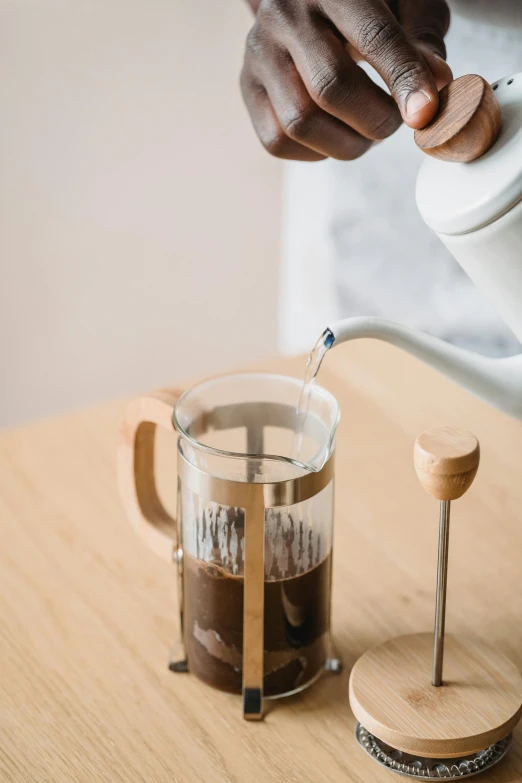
440	601
446	461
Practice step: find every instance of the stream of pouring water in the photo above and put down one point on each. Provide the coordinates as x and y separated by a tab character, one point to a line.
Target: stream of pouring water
313	365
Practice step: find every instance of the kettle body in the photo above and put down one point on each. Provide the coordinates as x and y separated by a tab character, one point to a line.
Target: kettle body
476	210
492	258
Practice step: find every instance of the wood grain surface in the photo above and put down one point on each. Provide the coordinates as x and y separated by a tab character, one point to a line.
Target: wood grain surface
446	461
392	696
88	614
467	124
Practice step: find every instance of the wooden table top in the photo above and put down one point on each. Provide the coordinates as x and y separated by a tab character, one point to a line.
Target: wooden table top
88	615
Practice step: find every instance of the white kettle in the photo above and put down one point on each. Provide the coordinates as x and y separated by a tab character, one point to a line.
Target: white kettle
476	210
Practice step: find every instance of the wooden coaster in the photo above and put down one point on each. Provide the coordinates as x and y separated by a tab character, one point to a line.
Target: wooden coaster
391	695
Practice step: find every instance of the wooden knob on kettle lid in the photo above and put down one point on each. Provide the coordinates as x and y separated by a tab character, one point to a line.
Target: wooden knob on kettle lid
467	124
446	461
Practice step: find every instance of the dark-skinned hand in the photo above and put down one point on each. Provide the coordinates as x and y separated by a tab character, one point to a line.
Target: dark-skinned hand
306	94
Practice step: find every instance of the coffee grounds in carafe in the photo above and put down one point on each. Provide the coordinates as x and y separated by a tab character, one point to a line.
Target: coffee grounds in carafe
296	627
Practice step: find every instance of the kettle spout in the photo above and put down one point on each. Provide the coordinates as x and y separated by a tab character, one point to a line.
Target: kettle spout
495	381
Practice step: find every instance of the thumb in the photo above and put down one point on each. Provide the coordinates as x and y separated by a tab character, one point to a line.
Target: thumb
378	36
438	66
426	23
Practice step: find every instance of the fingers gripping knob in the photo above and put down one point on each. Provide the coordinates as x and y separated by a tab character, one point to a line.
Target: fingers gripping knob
446	461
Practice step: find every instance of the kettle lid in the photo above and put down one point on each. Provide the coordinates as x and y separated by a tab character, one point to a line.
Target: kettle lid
457	198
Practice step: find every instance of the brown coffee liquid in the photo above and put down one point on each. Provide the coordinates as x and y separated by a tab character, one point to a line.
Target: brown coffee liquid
297	623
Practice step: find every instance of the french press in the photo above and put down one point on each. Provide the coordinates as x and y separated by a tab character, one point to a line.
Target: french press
252	537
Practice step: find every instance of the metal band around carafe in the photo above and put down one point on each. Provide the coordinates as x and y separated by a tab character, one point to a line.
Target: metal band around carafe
254	499
227	492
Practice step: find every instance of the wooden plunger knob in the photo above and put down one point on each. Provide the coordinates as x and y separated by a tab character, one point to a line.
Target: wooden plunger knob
467	124
446	461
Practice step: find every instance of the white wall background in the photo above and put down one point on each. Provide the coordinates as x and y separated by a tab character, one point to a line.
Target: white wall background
139	217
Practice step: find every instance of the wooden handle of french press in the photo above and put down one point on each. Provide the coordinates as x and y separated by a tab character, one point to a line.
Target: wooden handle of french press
467	124
135	467
446	461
